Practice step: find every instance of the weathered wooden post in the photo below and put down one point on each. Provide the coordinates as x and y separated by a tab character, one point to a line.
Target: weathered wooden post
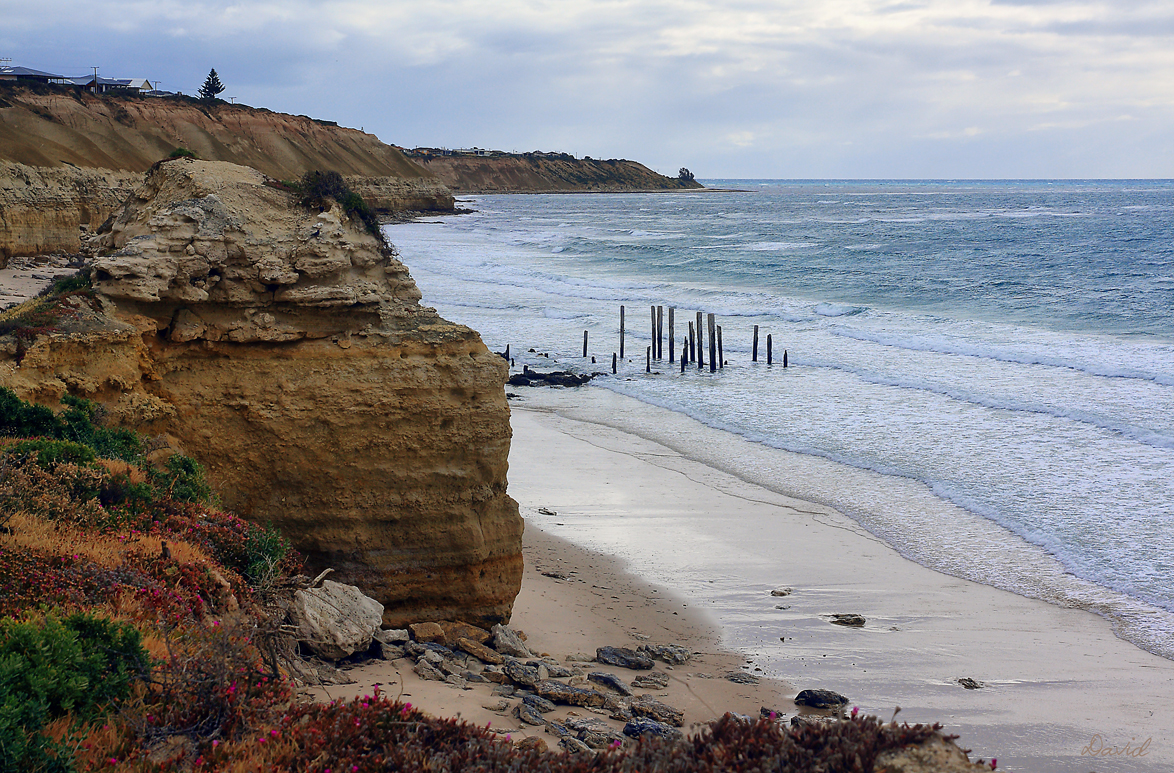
648	360
672	336
507	351
712	343
621	332
692	343
584	343
700	344
721	357
660	332
784	358
684	355
768	347
754	347
653	337
613	363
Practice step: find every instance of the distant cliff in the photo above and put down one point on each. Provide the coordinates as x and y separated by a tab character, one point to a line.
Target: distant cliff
62	142
545	173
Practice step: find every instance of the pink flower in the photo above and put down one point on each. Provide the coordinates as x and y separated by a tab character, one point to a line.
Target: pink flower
215	744
855	710
616	744
994	762
273	733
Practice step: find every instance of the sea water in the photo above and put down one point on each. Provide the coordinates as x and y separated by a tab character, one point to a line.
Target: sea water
980	373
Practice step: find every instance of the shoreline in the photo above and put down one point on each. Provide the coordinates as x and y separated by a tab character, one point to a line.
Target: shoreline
1053	677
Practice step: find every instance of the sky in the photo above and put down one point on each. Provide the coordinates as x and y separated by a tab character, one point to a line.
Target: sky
728	88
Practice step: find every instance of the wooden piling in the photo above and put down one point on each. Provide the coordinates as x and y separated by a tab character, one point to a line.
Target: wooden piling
692	344
621	332
660	332
721	357
613	363
648	360
584	343
712	320
784	358
768	347
684	355
653	337
700	343
672	336
754	346
507	351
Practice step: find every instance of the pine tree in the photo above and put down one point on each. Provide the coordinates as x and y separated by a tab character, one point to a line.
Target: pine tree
212	86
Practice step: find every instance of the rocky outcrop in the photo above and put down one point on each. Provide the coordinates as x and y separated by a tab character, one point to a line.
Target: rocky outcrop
44	210
538	173
393	195
287	350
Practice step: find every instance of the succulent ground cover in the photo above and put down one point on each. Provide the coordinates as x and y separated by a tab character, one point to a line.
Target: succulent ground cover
140	630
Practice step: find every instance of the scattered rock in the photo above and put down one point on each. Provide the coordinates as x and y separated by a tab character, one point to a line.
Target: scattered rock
531	744
821	699
392	635
390	651
642	726
623	657
782	591
427	671
595	733
647	706
427	633
574	696
573	745
799	720
336	620
849	620
554	378
654	680
496	675
547	511
504	689
480	651
416	649
520	673
507	642
457	681
538	703
971	684
529	715
457	630
741	677
610	681
673	654
580	657
765	713
552	667
500	707
935	755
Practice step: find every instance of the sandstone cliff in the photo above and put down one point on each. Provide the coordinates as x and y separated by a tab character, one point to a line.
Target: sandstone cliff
85	139
531	173
287	350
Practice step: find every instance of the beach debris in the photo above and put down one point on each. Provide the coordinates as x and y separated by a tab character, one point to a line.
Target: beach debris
480	651
538	703
850	620
642	726
741	677
971	684
782	591
427	633
457	630
673	654
529	715
520	673
392	635
647	706
820	699
427	671
335	620
611	681
623	657
558	692
507	641
653	680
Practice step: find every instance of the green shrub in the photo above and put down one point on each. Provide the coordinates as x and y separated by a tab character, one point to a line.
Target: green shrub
79	423
264	550
50	453
317	187
81	665
181	153
182	479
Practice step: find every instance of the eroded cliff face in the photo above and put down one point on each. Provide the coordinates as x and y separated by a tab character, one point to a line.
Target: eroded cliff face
547	174
287	350
42	210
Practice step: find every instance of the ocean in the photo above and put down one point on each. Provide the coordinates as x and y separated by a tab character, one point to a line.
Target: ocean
981	374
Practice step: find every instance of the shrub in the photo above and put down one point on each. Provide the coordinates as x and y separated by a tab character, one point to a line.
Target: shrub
49	668
317	187
181	153
264	551
50	453
182	479
79	423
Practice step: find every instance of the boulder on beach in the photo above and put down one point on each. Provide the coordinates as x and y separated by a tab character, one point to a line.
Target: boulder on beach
334	620
820	699
623	657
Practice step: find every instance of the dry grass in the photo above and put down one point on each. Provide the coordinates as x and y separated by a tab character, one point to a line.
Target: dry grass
32	532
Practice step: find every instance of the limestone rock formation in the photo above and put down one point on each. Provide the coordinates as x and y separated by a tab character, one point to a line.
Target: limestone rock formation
43	210
287	350
336	620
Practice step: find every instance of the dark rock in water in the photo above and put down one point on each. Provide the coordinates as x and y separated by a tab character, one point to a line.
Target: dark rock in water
655	680
649	727
538	703
971	684
673	654
821	699
782	591
574	696
553	378
849	620
529	715
610	681
647	706
741	677
623	657
520	673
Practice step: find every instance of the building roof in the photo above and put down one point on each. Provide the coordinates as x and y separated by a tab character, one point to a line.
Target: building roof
27	72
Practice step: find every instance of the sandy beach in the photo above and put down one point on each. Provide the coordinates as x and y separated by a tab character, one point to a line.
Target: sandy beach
642	532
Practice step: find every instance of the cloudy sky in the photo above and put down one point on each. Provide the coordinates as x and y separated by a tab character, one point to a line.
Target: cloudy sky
728	88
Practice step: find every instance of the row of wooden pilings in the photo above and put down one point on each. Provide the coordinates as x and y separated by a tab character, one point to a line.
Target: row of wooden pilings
693	348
